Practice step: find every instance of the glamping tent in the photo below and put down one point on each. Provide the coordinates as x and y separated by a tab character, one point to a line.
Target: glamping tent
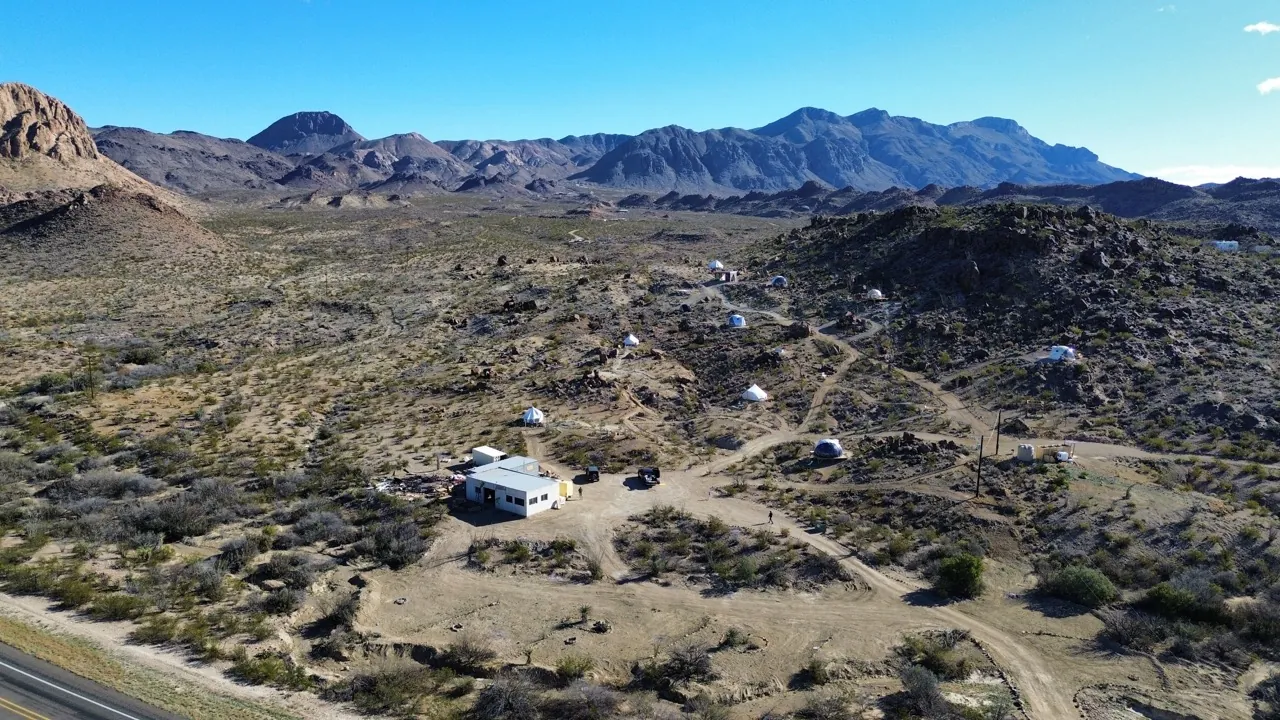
755	394
828	449
1061	353
874	294
631	340
715	265
778	281
737	321
533	416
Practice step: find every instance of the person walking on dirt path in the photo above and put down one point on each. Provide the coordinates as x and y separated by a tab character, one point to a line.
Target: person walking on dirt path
579	493
770	517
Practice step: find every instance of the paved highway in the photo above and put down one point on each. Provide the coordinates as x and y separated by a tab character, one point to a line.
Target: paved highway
32	689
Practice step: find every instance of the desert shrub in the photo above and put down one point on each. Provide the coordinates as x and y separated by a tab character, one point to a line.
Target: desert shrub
20	469
341	610
688	663
704	707
394	544
294	570
959	576
282	601
923	692
827	707
470	655
74	591
509	697
105	483
235	554
393	689
573	667
584	701
815	672
117	606
1267	695
323	525
205	579
268	669
1134	630
945	654
1259	623
734	638
157	630
1080	585
1187	598
207	504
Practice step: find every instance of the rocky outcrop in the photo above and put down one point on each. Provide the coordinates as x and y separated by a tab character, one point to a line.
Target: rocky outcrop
305	133
32	123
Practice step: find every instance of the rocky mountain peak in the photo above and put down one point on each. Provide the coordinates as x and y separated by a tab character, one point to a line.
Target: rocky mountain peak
32	123
305	133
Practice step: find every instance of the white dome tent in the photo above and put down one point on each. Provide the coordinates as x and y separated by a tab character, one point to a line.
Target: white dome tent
755	394
874	294
828	449
631	340
778	281
1062	353
737	321
715	265
533	416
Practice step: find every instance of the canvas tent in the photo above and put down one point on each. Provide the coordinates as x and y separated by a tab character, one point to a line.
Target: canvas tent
737	321
715	265
1061	353
874	294
631	340
778	281
828	448
533	416
755	394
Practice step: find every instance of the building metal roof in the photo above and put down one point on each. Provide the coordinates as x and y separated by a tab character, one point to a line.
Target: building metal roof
515	480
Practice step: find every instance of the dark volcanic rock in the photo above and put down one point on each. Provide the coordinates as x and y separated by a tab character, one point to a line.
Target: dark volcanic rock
305	133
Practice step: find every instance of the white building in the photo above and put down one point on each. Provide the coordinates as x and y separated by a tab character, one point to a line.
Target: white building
715	265
485	455
755	394
737	321
631	340
513	485
1062	353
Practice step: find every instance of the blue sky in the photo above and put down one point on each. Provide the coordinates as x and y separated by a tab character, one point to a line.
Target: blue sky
1174	89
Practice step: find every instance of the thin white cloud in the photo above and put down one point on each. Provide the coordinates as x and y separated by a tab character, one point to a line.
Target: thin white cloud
1266	87
1201	174
1167	8
1262	28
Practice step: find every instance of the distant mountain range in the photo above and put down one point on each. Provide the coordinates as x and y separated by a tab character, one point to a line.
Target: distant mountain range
868	151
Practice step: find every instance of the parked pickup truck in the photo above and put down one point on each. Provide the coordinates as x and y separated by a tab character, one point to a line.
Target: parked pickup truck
650	475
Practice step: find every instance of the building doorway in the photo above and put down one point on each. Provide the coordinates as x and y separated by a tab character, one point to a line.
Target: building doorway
490	496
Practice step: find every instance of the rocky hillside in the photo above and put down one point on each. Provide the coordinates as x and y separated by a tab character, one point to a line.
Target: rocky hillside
84	232
870	150
1179	340
1250	205
305	133
190	162
45	145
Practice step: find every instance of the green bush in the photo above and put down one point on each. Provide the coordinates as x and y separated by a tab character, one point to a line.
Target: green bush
1080	585
572	667
117	606
959	576
268	669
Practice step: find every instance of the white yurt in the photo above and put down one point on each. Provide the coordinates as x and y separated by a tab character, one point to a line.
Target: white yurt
755	394
715	265
778	281
631	340
533	416
828	448
874	294
1062	353
737	321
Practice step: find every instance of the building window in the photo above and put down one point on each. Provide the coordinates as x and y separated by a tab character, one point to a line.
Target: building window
510	499
520	501
544	498
533	501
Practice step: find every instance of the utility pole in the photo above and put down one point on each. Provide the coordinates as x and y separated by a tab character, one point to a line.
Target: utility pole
91	374
977	490
999	421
